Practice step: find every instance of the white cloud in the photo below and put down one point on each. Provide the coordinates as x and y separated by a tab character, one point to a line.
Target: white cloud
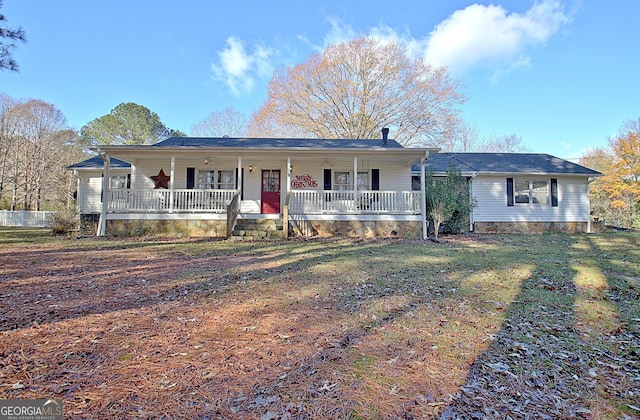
238	69
339	33
477	36
490	36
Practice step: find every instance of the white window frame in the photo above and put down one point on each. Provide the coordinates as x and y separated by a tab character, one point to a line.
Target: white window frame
212	179
118	182
536	191
229	183
364	181
342	186
206	179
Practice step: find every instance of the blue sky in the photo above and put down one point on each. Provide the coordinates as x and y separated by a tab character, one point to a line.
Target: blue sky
561	74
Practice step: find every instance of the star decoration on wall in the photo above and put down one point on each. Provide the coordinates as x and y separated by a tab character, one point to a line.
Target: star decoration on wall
161	180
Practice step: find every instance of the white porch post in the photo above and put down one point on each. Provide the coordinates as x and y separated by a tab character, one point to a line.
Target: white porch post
172	176
355	182
423	196
240	173
288	175
102	225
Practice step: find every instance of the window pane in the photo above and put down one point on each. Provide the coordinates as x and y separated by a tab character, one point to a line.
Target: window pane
342	181
206	180
226	180
415	183
521	190
118	182
539	192
363	181
271	181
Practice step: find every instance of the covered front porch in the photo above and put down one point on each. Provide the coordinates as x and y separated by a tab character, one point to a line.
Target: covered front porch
300	208
220	180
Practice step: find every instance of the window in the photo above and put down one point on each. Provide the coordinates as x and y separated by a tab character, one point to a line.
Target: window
226	180
119	182
342	181
415	183
206	180
363	181
220	180
531	191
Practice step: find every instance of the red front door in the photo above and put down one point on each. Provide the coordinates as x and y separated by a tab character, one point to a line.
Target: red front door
270	191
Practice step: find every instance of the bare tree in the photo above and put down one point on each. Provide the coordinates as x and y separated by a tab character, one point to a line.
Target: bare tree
227	122
39	125
465	140
60	184
36	145
510	143
353	89
7	140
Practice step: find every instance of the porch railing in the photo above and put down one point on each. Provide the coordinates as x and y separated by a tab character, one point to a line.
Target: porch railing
300	201
166	201
390	202
233	210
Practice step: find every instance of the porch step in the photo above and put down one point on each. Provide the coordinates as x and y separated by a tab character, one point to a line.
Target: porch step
257	229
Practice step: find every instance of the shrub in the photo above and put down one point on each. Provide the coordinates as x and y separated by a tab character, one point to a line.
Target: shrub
448	201
63	222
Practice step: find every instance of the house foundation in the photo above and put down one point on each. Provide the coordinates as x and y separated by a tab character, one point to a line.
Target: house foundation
530	227
297	228
356	228
172	228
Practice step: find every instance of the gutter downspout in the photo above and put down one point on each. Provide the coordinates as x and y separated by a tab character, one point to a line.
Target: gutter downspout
471	214
589	181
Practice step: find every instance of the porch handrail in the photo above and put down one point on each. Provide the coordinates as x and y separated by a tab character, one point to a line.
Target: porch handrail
285	216
184	200
355	202
233	210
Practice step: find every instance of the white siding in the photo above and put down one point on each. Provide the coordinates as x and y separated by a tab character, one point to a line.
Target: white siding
90	191
89	195
393	177
490	194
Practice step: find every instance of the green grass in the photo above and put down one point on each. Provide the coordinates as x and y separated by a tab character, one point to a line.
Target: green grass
524	325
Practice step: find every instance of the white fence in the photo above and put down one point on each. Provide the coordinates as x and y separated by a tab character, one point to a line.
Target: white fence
24	218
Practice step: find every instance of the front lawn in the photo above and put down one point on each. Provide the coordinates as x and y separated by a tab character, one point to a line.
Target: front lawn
477	326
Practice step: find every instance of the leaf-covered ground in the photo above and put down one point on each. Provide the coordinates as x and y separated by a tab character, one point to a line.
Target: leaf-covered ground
543	326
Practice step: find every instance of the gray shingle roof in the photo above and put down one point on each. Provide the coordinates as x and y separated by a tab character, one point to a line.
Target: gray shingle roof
501	163
97	163
269	143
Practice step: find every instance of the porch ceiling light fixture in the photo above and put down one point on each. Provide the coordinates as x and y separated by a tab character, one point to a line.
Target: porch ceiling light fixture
206	161
250	168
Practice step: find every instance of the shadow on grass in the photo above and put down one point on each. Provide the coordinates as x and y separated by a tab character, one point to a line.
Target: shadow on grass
541	363
332	329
